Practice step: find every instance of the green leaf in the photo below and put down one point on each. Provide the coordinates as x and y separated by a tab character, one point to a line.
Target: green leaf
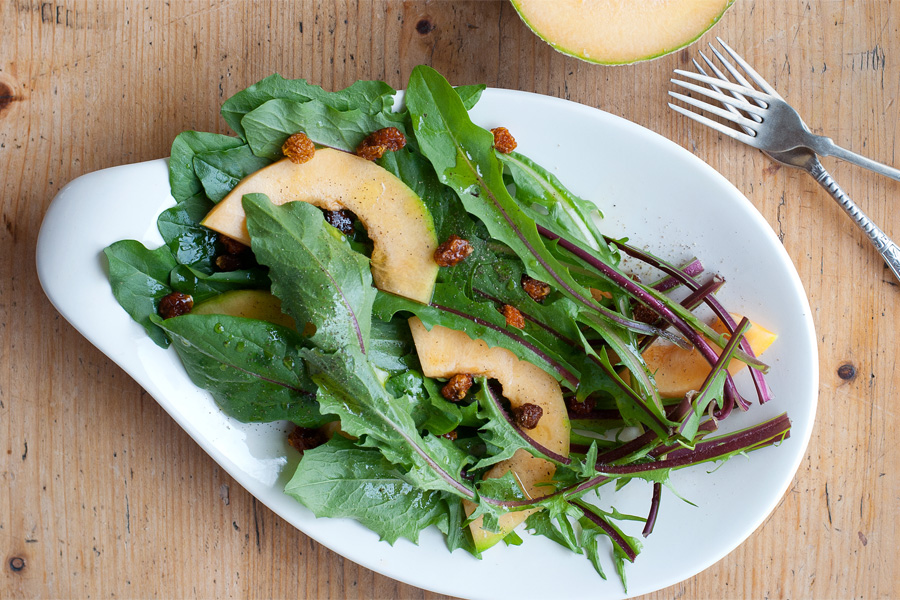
553	522
268	126
190	243
458	533
182	179
469	94
428	408
366	96
202	287
221	170
340	479
499	433
139	279
350	389
391	345
252	368
315	273
562	211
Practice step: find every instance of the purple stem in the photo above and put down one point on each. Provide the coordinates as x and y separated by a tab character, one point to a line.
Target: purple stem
763	392
564	372
752	438
641	294
654	509
692	269
692	301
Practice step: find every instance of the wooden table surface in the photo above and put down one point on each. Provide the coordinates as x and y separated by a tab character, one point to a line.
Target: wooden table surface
103	495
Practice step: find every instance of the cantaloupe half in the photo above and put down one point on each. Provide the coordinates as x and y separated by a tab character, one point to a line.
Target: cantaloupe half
395	218
678	371
445	352
615	32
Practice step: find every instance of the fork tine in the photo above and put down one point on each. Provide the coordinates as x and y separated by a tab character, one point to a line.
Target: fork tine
729	131
738	76
722	76
734	117
751	72
728	85
718	95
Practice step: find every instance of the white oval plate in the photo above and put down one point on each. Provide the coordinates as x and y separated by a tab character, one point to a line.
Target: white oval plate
651	190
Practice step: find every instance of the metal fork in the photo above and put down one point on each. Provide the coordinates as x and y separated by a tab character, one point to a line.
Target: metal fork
770	124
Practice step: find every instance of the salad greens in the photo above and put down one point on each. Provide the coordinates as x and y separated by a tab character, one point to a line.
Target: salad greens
407	458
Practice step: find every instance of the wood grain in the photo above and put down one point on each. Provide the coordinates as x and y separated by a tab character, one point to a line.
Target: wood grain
102	495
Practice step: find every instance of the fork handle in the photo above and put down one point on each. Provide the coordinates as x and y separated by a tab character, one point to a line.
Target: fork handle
826	147
888	250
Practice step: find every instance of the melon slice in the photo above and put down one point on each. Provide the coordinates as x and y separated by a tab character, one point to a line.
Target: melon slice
445	352
679	371
395	218
615	32
250	304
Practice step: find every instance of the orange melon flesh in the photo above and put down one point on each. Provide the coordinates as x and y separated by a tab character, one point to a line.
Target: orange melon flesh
619	31
445	352
678	371
395	218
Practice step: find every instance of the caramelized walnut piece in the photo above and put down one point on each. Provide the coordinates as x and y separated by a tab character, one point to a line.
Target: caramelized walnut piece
342	220
504	142
580	410
235	262
458	386
450	435
298	148
644	314
237	255
232	246
452	252
538	290
304	438
513	316
528	415
175	305
379	142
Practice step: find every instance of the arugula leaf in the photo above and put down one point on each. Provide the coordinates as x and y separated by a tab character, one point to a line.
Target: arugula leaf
202	287
268	126
498	431
318	278
428	408
350	389
562	210
366	96
553	522
340	479
182	179
391	345
469	94
139	279
221	170
253	369
190	243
